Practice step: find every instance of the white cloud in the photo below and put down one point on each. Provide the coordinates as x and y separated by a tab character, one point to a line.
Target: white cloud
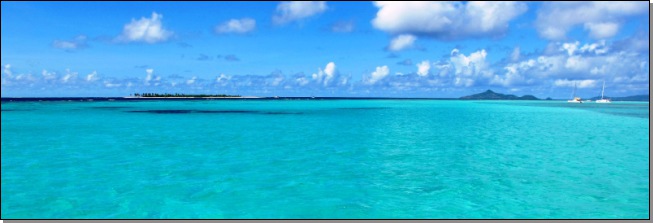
48	75
287	12
579	83
150	77
466	82
601	19
378	74
240	26
602	29
92	77
25	77
149	30
596	48
325	76
302	81
402	42
223	79
149	72
577	64
577	61
423	68
447	20
78	43
110	84
7	70
472	65
191	81
274	80
570	47
70	76
6	74
575	48
512	76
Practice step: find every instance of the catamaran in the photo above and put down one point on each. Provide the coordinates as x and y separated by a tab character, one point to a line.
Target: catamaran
602	100
573	95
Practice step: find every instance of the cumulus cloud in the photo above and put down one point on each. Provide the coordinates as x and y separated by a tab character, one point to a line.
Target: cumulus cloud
78	42
578	83
625	71
6	74
287	12
573	48
223	79
380	73
69	77
48	75
423	68
151	78
300	80
600	19
583	63
148	30
602	30
191	81
447	20
238	26
473	65
7	70
402	42
110	84
92	77
325	76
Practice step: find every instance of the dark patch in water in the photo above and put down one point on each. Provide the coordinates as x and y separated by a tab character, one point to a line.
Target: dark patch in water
370	108
110	107
165	111
214	112
224	111
17	109
282	113
432	189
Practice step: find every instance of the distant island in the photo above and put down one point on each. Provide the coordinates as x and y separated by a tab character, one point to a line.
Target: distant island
627	98
177	95
491	95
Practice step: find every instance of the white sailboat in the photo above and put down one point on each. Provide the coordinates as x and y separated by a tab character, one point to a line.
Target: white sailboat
573	96
602	100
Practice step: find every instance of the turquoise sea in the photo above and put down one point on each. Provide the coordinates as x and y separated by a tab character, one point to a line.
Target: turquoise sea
324	159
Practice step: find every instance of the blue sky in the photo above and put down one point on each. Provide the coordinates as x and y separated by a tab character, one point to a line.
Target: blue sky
357	49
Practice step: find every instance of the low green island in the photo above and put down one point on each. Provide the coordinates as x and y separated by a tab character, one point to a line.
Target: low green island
178	95
491	95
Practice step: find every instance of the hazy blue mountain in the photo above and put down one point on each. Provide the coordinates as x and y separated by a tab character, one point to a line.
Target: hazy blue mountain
491	95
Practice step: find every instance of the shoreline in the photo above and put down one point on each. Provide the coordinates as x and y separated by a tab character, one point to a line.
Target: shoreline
192	97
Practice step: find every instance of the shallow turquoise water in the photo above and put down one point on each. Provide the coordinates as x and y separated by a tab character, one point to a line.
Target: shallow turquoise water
324	159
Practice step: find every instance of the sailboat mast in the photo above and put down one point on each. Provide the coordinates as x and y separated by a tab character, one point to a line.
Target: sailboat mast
602	90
